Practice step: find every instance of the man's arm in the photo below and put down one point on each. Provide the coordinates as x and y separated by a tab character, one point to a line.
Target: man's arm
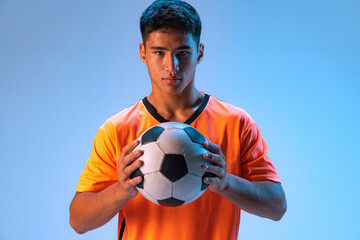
90	210
262	198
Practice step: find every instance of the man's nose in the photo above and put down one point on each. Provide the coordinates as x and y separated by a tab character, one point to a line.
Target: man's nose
172	63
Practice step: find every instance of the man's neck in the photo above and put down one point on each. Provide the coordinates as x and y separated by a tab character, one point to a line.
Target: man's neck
176	108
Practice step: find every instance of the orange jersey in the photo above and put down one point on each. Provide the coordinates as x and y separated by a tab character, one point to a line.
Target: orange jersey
209	217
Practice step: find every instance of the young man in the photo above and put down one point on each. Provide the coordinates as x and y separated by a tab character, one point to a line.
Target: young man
244	176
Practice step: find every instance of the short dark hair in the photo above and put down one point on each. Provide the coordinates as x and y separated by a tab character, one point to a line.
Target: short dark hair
170	14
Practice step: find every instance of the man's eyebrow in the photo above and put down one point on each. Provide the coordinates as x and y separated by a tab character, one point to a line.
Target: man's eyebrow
164	48
184	47
158	48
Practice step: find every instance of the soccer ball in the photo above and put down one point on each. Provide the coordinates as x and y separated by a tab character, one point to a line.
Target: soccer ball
172	160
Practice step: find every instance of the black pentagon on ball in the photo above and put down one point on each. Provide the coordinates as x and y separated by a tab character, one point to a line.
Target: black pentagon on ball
174	167
136	173
171	202
151	135
195	135
205	185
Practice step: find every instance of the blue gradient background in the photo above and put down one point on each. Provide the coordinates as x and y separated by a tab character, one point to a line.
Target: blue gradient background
66	66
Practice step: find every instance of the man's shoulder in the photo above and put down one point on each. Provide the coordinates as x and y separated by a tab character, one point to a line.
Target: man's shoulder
125	117
225	109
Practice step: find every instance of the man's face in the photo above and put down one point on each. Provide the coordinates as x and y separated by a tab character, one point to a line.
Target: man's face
171	57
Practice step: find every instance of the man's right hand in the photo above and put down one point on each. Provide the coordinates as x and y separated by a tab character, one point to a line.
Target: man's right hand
126	165
90	210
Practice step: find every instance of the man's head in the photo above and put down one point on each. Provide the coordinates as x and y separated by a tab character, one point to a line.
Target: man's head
170	14
171	49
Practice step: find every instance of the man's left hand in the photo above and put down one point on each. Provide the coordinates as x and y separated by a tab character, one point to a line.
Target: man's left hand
218	167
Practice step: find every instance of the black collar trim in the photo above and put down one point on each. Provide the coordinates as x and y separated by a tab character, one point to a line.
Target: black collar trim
192	118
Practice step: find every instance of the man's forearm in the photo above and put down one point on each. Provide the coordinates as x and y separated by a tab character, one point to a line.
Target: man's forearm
90	210
263	198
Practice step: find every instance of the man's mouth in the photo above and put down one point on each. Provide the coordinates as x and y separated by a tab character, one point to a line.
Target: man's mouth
171	79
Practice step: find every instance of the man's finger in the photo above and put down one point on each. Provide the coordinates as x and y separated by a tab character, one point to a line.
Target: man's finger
214	148
218	171
132	168
215	158
129	148
134	181
211	180
130	158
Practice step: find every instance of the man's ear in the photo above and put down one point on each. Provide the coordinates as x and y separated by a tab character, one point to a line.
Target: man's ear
142	53
200	53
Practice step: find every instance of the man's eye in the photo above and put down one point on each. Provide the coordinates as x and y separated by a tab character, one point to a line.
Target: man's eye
183	53
160	53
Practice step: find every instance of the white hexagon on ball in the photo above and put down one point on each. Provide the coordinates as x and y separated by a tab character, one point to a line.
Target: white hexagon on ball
151	151
146	195
174	145
195	197
157	186
169	125
187	187
194	159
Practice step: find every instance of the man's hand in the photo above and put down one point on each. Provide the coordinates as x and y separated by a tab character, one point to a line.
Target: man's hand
219	182
90	210
126	165
262	198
